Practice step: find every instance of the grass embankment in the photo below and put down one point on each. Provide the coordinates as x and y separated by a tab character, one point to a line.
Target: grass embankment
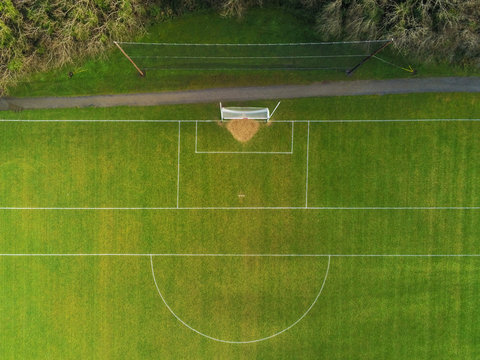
114	74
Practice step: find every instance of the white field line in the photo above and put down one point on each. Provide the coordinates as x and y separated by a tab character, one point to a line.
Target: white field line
246	341
235	255
252	208
291	148
208	121
242	152
178	167
196	136
381	120
306	175
245	152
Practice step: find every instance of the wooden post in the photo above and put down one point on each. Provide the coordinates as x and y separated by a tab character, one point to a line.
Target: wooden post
128	57
350	71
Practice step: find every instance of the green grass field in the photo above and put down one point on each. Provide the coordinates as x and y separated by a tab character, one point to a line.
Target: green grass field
112	73
132	189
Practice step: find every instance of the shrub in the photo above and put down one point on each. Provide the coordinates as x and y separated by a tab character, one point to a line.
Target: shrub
430	30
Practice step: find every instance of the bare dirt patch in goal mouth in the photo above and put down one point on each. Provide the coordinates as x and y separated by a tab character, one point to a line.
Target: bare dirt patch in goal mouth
243	129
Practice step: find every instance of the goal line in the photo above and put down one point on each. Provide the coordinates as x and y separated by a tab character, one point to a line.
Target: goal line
212	120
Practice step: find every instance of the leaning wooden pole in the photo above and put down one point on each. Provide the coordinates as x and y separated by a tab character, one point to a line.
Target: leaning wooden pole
128	57
350	71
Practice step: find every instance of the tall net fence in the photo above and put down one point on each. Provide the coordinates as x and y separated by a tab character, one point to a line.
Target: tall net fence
341	56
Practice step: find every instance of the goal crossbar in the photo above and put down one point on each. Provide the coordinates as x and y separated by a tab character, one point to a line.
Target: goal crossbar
255	113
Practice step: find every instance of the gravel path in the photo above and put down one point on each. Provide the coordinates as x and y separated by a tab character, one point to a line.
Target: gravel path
337	88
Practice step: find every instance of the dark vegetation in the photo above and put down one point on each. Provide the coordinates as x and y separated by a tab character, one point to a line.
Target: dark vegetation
42	34
430	29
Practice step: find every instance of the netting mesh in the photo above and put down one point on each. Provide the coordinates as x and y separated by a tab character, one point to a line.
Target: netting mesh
289	56
257	113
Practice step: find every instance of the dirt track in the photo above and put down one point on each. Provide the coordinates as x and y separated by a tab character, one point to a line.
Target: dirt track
338	88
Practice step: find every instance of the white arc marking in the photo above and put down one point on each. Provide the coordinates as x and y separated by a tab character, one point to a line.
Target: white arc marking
246	341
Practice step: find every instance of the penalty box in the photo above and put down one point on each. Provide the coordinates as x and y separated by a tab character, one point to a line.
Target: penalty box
267	138
218	170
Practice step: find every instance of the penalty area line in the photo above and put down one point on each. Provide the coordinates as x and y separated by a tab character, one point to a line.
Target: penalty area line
235	255
306	175
178	167
254	208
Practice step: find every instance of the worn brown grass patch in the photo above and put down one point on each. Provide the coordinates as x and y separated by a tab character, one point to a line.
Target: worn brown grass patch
243	129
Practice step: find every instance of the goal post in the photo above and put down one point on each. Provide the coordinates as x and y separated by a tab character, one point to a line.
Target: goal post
311	56
255	113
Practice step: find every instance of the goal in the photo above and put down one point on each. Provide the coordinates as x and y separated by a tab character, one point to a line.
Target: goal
255	113
337	56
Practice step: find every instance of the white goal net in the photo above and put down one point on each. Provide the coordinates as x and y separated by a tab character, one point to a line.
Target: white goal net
256	113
